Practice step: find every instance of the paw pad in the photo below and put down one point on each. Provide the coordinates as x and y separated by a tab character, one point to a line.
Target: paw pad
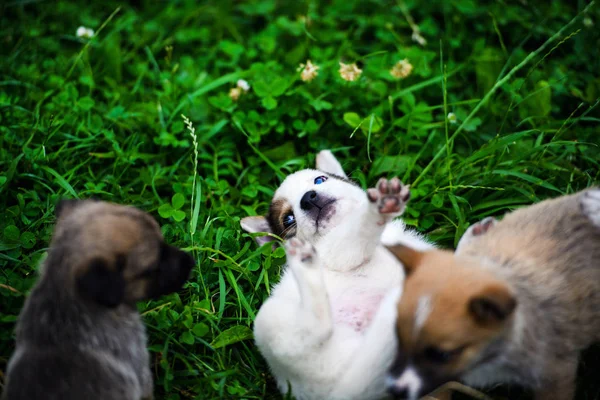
300	249
389	195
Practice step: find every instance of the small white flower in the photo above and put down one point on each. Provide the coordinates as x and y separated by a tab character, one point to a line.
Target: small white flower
83	32
452	118
401	69
244	85
349	72
309	71
235	93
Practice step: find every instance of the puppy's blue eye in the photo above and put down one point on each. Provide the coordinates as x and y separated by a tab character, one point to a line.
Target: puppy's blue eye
320	179
289	220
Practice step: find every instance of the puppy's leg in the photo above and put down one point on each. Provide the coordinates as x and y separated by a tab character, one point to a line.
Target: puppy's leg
302	259
365	375
590	205
358	237
477	229
288	329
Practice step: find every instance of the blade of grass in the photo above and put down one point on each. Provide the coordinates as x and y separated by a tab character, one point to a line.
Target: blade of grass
497	85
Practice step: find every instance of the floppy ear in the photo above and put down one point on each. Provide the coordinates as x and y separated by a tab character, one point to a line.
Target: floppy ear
493	304
409	257
327	162
257	224
102	284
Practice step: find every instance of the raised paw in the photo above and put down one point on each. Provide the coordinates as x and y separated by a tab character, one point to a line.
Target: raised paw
590	206
390	196
300	250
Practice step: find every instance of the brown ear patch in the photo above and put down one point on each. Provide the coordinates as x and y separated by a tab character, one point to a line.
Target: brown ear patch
492	305
278	210
409	257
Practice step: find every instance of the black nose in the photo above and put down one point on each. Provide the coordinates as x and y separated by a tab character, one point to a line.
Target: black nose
309	200
398	392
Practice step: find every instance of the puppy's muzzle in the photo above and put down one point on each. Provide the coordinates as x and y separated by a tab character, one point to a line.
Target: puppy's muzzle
310	200
174	269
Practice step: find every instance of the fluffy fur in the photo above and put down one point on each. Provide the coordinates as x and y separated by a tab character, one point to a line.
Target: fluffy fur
79	335
326	331
516	304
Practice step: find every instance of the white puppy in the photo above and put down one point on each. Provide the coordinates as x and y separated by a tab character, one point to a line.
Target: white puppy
327	330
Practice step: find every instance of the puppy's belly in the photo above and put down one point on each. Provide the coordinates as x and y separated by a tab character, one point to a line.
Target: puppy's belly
356	309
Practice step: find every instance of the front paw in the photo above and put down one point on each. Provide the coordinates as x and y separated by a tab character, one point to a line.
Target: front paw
299	250
390	197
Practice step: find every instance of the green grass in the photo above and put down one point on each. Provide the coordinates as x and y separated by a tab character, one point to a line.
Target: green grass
102	117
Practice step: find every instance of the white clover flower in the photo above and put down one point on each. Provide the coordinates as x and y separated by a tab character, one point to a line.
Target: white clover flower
452	118
349	72
83	32
401	69
244	85
235	93
309	71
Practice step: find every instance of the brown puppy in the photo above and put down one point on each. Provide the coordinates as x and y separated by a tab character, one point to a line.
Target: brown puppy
516	303
79	335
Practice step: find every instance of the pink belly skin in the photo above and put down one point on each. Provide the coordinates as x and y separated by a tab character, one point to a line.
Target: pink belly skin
356	311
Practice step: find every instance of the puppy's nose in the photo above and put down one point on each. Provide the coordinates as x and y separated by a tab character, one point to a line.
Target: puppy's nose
309	200
398	392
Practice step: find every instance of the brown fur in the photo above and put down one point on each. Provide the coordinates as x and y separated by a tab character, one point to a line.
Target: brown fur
521	299
277	212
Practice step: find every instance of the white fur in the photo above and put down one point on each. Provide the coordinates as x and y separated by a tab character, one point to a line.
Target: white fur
410	381
328	327
422	313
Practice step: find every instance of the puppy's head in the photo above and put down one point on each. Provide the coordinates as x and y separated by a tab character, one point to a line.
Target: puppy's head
453	315
309	203
111	254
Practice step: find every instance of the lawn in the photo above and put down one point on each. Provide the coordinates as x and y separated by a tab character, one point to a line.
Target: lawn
494	107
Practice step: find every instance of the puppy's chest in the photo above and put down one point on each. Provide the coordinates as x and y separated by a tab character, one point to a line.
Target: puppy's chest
355	306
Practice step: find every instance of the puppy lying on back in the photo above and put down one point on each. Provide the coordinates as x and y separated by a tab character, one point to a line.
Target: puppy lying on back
515	304
79	335
327	329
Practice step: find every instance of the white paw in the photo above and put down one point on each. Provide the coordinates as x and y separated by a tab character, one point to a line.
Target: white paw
390	197
590	205
300	250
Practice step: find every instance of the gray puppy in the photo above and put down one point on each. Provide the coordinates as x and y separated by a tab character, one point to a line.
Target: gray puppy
79	335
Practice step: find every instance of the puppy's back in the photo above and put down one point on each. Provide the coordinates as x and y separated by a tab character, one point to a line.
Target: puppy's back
550	255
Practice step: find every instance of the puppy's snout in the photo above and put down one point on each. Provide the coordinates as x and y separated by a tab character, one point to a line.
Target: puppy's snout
309	200
398	392
174	269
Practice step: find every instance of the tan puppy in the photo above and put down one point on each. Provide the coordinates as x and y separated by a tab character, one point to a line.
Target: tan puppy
515	304
79	335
